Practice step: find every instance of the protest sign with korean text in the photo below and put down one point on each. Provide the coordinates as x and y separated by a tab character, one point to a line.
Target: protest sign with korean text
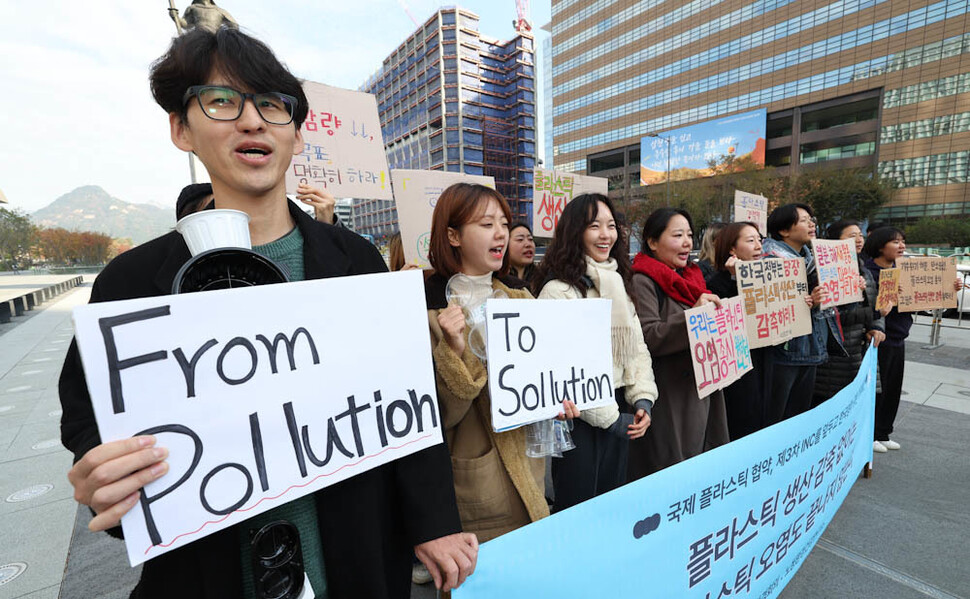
259	402
926	283
552	190
773	291
535	363
416	194
735	521
750	207
718	342
343	150
838	270
888	289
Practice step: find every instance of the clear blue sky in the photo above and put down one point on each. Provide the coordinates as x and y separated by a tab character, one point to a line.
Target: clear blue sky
76	105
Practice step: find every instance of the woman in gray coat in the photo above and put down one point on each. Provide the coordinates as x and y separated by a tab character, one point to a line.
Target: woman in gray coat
665	284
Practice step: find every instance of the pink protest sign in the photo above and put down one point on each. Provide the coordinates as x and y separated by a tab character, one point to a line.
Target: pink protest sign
718	342
838	271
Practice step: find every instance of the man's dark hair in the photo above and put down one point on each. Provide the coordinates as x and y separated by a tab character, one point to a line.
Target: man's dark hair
245	62
878	240
785	217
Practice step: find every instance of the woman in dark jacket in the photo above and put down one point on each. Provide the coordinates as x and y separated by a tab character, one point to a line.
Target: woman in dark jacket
665	284
860	322
745	399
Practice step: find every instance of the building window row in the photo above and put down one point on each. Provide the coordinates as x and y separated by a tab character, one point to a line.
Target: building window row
837	153
728	21
924	171
586	12
675	16
902	23
814	83
927	90
758	38
946	124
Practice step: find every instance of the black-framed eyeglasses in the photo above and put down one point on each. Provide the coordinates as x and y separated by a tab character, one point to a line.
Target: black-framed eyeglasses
222	103
277	561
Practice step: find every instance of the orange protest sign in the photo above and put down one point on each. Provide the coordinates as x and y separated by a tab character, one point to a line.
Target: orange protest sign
888	289
926	283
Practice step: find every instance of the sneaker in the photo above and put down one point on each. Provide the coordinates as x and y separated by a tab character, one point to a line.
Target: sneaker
890	444
420	574
878	447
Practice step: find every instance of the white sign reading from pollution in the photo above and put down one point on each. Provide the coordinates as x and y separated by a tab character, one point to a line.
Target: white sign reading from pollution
259	402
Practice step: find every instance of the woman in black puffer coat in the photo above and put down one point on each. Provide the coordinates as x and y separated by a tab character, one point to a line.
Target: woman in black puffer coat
860	323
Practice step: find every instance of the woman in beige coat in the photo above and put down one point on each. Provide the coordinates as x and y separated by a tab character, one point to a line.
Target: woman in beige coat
498	488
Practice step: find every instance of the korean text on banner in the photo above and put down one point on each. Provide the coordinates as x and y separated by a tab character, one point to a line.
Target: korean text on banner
343	150
752	208
735	521
718	343
838	270
888	289
535	363
552	190
773	291
415	195
261	410
926	283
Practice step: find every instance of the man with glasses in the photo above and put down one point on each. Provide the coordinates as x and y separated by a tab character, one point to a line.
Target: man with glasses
790	367
240	111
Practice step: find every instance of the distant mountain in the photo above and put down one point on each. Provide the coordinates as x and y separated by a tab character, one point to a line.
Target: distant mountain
90	208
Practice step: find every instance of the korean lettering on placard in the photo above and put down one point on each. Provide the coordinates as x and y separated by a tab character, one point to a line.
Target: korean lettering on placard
775	524
838	270
926	283
888	289
751	208
552	190
773	291
718	342
343	150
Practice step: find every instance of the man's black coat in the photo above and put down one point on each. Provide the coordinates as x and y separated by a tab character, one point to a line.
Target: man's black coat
368	524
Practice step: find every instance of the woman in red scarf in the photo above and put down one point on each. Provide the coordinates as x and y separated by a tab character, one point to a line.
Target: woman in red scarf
666	283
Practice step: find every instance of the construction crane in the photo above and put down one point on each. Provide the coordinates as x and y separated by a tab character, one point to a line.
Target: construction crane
521	22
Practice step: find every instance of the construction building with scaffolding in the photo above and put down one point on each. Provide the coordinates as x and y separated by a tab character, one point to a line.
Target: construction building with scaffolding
455	100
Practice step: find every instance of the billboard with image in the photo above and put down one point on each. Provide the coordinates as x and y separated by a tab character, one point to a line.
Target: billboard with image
692	148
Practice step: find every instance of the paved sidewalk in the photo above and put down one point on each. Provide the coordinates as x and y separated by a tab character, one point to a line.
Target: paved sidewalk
37	510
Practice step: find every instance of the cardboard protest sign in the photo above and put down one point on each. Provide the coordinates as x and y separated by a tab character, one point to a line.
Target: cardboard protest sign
718	342
752	208
838	270
258	399
926	283
343	151
742	517
416	194
552	190
888	289
535	362
773	291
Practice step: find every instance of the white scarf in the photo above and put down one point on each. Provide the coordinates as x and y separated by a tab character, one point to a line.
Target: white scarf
625	327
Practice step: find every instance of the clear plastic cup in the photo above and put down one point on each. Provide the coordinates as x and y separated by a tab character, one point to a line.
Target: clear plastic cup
211	229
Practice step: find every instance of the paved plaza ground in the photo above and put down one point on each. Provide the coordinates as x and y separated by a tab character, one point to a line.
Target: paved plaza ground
901	534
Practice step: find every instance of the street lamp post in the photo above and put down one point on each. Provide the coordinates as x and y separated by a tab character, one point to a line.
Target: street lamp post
666	138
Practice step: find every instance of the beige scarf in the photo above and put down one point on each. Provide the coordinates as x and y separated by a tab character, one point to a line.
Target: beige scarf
625	327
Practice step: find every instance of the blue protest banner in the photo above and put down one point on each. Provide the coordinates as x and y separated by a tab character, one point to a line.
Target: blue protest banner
735	521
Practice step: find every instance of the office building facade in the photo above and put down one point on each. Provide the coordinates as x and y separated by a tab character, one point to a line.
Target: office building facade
453	99
882	85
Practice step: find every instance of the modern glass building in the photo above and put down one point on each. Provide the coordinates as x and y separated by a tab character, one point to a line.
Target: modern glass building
453	99
877	84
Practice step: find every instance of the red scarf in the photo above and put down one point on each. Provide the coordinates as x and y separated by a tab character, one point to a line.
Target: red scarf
684	286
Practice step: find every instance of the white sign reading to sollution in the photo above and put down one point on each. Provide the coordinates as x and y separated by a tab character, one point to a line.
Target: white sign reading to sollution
543	352
262	395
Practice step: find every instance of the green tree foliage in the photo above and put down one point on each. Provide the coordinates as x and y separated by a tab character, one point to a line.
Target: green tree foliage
940	231
833	193
17	235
